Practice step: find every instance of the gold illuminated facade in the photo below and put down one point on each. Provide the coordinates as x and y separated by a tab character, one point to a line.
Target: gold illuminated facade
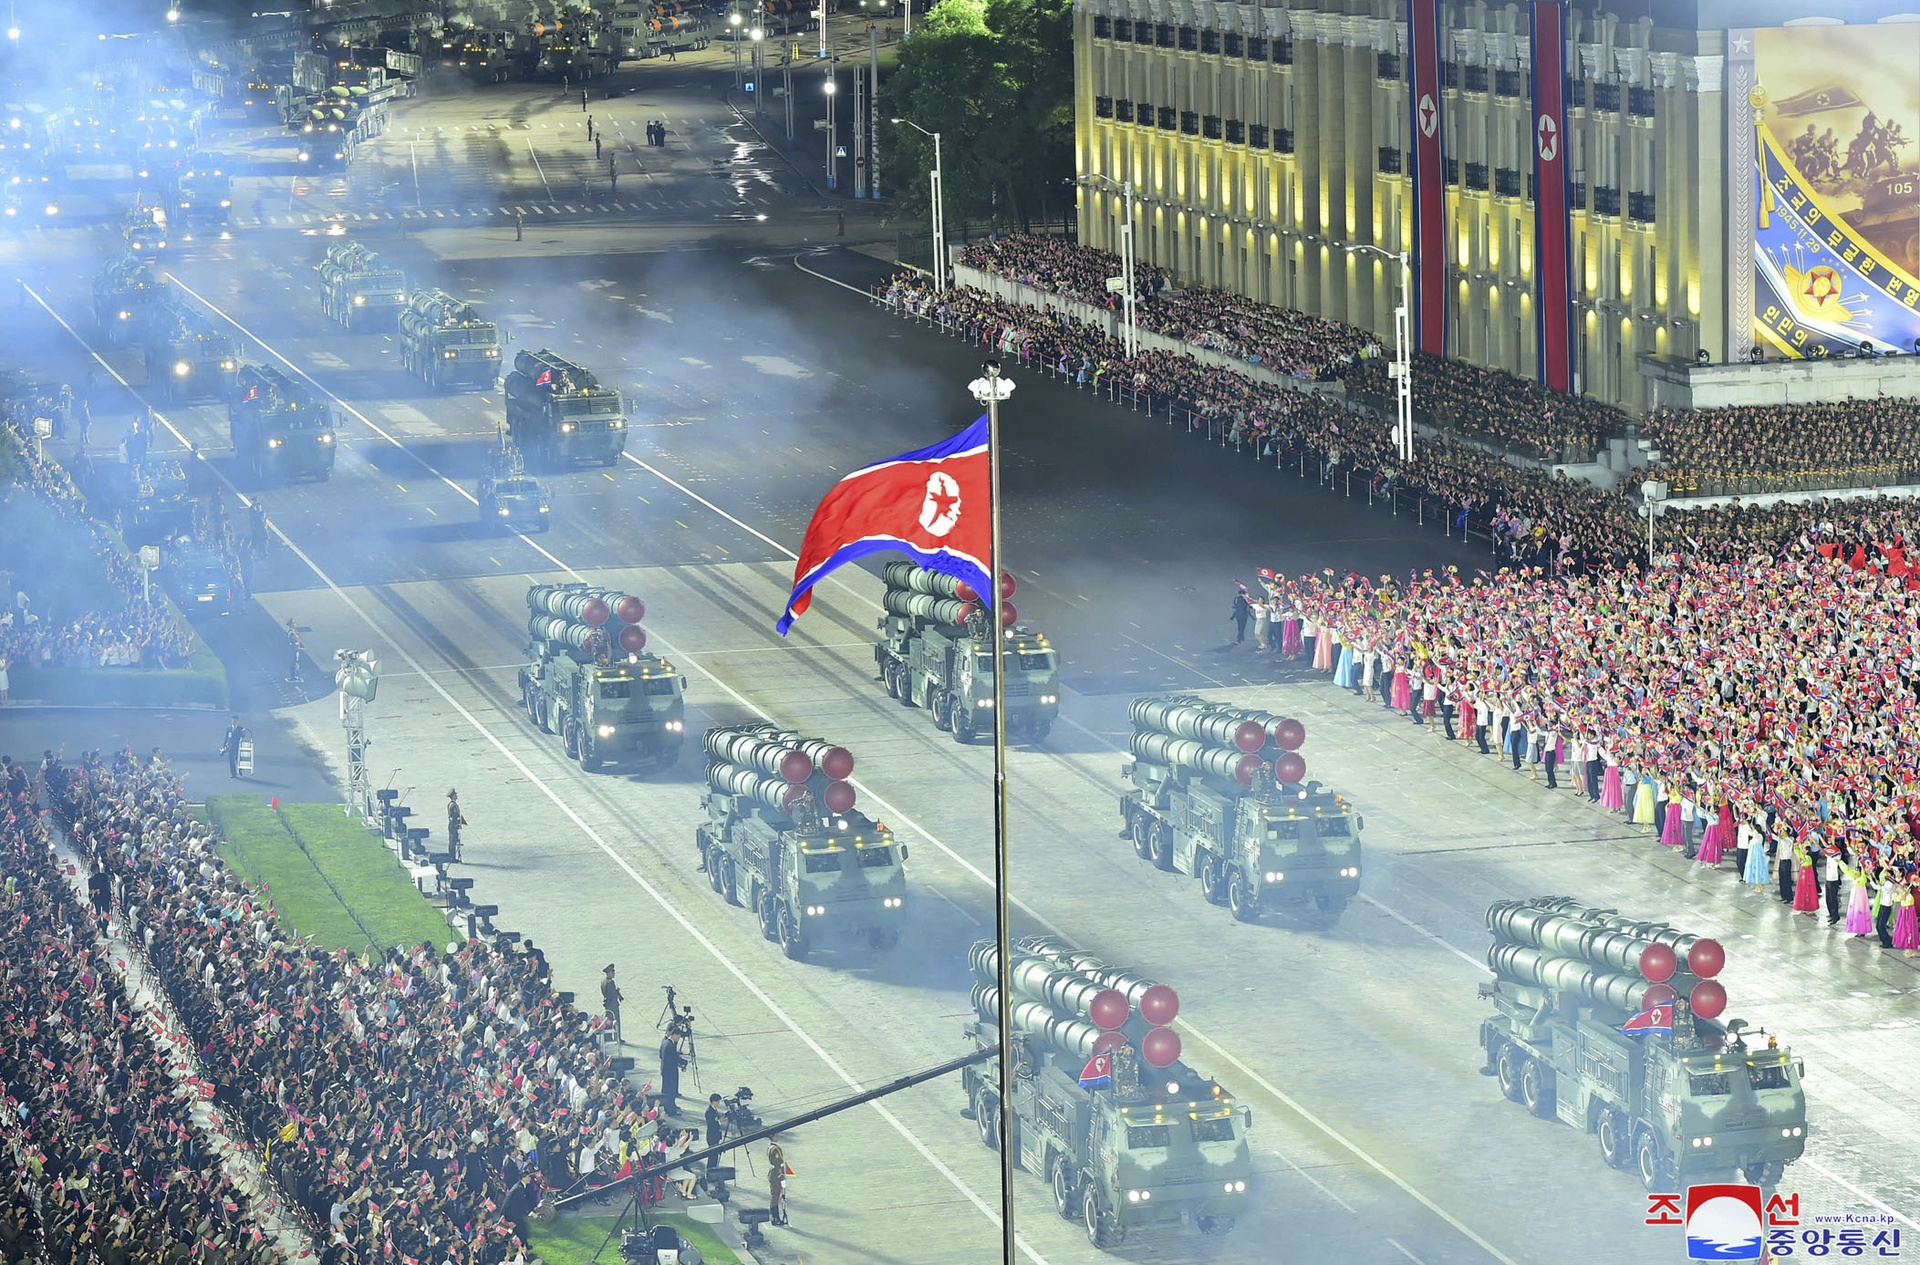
1264	140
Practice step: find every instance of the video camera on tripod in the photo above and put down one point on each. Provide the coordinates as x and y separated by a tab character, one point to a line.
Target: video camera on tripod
738	1109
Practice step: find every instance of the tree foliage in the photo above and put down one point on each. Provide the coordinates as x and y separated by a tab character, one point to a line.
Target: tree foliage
995	79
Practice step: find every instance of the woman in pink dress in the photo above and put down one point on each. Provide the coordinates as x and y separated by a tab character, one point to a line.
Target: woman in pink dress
1613	795
1860	901
1671	834
1806	889
1713	842
1402	690
1906	922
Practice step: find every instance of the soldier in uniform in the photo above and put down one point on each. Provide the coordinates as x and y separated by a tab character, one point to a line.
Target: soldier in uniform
454	822
295	648
776	1181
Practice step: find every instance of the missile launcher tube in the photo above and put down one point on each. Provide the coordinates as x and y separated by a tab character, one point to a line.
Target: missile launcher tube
826	756
1517	922
1071	1038
941	610
762	788
1161	748
1523	964
549	628
984	959
1188	717
533	363
761	748
1658	932
907	577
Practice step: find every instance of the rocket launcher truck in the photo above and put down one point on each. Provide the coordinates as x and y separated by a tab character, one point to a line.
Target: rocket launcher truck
358	289
444	341
128	301
1219	793
783	838
1611	1024
934	652
1104	1110
280	432
589	678
559	414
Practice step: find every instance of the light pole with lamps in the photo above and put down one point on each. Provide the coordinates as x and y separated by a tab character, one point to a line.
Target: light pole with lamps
1401	371
833	133
1132	342
733	20
939	210
759	72
990	389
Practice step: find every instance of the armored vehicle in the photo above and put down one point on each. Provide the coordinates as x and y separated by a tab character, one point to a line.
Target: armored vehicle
188	357
935	652
559	414
1610	1024
127	299
516	502
782	833
149	502
280	432
447	344
144	229
199	581
1220	792
1104	1110
204	194
357	289
589	679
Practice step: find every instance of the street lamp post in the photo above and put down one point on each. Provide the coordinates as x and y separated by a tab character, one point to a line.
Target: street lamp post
833	134
939	209
733	20
759	73
786	75
1401	370
1132	341
990	389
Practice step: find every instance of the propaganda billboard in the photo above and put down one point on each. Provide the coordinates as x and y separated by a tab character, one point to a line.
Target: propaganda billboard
1831	170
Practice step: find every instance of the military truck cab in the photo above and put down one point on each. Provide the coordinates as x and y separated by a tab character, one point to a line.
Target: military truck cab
144	229
280	432
127	302
560	415
188	358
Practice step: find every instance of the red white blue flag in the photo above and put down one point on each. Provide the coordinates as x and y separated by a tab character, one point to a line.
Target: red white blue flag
1657	1018
545	378
253	393
1098	1073
930	504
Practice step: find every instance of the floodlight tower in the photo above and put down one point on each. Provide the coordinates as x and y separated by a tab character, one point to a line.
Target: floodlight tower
357	673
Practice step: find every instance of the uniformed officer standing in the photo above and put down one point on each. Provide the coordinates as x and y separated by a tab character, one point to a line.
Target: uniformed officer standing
610	998
776	1181
295	648
671	1061
236	735
454	822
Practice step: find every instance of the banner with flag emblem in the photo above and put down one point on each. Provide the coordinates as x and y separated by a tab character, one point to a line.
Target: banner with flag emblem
930	504
1098	1073
1655	1018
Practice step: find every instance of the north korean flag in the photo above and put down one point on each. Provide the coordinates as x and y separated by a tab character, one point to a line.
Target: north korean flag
930	504
1657	1018
253	393
545	379
1098	1073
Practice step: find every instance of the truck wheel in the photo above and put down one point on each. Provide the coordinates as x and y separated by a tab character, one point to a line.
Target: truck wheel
1142	833
790	942
937	706
543	717
960	721
710	857
1766	1173
1064	1190
589	752
1506	1069
1650	1158
1213	874
1239	899
1213	1225
1039	730
1536	1088
570	738
1328	904
1611	1129
729	882
1162	845
888	679
1101	1230
986	1117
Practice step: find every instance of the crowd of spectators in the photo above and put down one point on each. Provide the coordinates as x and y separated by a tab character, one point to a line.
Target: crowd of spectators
1497	408
1757	711
104	1162
1748	450
419	1104
125	630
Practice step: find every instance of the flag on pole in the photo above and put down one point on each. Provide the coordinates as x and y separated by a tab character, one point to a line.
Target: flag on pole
1655	1018
253	393
545	378
1098	1073
930	504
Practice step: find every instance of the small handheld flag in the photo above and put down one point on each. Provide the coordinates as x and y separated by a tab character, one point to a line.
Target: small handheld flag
1098	1073
930	504
1656	1018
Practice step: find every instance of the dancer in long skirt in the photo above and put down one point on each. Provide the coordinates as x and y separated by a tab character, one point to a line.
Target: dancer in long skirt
1806	888
1906	921
1671	834
1859	901
1712	843
1613	795
1756	871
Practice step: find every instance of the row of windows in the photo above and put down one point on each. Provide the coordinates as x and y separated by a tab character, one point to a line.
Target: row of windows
1190	39
1192	123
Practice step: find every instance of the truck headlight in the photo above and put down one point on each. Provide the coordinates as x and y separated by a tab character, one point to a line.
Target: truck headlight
326	437
359	300
1275	876
891	902
605	731
502	511
273	443
448	355
181	369
566	428
226	366
983	702
1236	1187
816	911
675	726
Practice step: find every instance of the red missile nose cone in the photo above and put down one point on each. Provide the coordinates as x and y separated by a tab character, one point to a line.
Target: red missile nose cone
796	767
1008	613
1705	958
631	610
1108	1009
633	639
838	797
837	764
594	613
1159	1005
1007	586
1290	769
964	591
1160	1047
1658	995
1246	768
1249	735
1289	734
1657	963
1108	1041
1708	998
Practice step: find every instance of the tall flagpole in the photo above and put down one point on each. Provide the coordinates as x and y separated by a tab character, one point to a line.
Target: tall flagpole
991	389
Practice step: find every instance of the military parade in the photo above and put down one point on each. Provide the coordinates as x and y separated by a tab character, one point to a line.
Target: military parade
374	262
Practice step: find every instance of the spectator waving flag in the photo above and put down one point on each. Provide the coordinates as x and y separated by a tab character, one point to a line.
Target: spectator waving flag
931	504
1655	1018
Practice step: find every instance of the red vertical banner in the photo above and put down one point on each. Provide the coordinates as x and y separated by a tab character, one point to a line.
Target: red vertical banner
1429	180
1552	296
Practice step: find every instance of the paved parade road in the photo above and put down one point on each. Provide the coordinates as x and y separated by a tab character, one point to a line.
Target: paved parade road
757	382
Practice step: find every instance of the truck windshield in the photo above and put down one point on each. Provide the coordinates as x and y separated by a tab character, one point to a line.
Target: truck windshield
1770	1077
1218	1129
1708	1084
1145	1135
1283	830
823	863
1034	660
875	858
660	685
616	689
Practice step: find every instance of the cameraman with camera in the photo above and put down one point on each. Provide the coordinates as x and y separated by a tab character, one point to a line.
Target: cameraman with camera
671	1061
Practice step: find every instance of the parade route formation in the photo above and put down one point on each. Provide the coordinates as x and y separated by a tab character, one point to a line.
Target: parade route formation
1376	1138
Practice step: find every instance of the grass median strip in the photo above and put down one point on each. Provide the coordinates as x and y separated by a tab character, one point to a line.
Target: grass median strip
330	878
572	1240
